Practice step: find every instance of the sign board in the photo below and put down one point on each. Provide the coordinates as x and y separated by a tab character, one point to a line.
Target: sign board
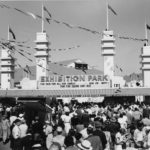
58	82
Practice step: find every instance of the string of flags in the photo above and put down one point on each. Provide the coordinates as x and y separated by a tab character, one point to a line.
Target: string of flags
120	69
26	69
35	16
147	26
112	10
20	51
64	49
14	41
13	35
29	47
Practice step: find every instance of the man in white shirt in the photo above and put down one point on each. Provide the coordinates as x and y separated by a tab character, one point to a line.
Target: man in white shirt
16	133
23	132
48	132
59	137
23	128
12	118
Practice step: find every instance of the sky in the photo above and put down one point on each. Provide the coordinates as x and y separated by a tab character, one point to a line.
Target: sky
91	14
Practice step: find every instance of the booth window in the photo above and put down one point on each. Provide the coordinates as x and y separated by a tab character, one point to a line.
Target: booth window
81	66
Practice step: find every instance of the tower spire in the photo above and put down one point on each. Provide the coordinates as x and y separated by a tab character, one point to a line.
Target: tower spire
146	37
107	17
8	33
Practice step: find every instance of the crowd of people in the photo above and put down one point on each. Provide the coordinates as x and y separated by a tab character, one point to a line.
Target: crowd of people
77	126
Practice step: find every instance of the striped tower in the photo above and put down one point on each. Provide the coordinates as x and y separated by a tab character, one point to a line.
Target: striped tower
7	69
146	65
108	52
41	55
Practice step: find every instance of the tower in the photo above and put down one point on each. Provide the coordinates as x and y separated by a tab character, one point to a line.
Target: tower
108	52
41	55
7	68
146	65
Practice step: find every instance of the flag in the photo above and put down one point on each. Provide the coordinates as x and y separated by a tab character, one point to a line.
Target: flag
148	27
121	70
32	15
48	20
25	70
47	12
13	35
109	7
28	69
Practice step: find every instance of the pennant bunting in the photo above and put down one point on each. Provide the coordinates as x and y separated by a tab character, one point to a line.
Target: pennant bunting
48	20
67	24
28	69
25	70
13	35
45	9
6	6
32	15
109	7
147	26
30	59
57	21
21	11
121	70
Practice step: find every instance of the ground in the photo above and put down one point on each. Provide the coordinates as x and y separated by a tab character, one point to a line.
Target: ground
4	147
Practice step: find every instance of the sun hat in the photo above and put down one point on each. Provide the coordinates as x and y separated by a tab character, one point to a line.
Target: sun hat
85	145
113	119
21	115
47	121
59	129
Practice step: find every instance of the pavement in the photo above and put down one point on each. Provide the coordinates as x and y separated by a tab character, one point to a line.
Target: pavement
5	146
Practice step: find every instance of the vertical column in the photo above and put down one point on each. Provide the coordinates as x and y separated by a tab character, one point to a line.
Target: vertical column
108	52
7	69
146	65
41	55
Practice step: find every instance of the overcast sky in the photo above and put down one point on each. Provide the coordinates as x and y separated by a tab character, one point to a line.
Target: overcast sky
86	13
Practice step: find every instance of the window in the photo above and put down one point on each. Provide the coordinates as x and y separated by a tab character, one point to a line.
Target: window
81	66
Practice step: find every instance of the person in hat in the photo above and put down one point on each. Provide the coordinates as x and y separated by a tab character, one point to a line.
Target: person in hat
37	127
5	129
21	116
85	145
108	136
59	138
48	133
16	135
69	143
119	140
23	131
98	132
94	139
67	120
55	146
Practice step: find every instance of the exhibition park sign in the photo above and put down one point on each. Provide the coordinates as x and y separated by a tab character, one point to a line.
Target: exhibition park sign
70	82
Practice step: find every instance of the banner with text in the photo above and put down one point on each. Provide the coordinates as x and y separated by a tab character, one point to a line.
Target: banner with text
70	82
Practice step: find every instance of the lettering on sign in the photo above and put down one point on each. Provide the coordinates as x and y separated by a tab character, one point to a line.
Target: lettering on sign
74	82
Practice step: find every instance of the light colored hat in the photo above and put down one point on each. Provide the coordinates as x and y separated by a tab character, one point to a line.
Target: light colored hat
85	145
47	121
59	129
21	115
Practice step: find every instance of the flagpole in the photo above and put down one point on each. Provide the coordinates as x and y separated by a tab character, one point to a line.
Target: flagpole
42	18
107	18
8	33
146	37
